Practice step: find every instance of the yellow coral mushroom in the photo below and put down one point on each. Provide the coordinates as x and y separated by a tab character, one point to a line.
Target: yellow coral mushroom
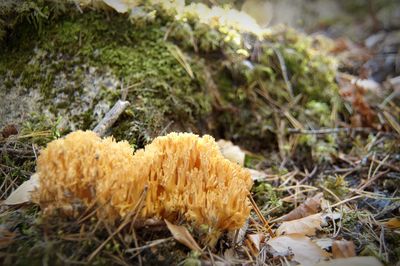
186	176
82	169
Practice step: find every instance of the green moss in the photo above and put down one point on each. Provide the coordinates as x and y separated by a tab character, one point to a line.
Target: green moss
161	90
337	185
265	194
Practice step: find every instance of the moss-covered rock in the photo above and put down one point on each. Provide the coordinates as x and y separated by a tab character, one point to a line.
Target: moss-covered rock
180	71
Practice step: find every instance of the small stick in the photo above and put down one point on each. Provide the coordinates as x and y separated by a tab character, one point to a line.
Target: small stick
338	130
372	180
149	245
284	72
387	165
346	200
110	118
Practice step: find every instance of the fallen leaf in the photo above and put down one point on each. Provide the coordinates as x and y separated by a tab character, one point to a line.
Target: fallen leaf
333	216
121	6
23	193
353	261
231	152
343	249
253	242
304	226
393	223
368	84
354	93
182	235
310	206
303	249
324	243
257	175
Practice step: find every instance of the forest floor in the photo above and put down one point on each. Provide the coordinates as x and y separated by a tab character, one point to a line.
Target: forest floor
332	201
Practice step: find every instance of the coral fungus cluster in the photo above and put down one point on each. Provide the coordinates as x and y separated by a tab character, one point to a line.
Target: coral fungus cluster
186	176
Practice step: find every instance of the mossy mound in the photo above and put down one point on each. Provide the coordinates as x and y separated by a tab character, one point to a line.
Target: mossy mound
179	73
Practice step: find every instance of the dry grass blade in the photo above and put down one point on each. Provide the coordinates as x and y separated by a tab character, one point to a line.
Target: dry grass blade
180	57
372	180
353	261
149	245
392	122
36	134
284	72
260	216
182	235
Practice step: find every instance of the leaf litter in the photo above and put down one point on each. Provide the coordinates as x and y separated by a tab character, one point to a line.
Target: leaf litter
306	226
303	249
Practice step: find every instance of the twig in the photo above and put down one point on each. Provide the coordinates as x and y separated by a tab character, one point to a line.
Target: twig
150	244
284	72
346	200
111	117
34	151
211	256
373	179
27	153
337	130
310	175
395	168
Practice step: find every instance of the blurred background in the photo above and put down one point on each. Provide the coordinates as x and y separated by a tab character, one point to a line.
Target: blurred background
356	19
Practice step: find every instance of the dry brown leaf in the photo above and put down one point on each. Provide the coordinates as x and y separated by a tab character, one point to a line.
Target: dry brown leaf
253	242
182	235
324	243
393	223
304	226
310	206
303	249
343	249
23	193
231	152
353	261
354	93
